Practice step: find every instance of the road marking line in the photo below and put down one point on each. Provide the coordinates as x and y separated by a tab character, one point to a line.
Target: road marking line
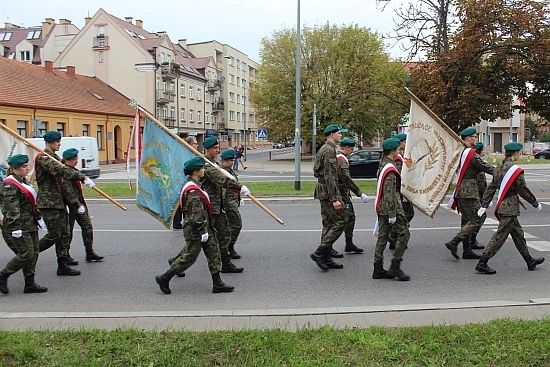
539	245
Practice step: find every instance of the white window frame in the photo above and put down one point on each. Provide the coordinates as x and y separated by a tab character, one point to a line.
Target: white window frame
191	116
191	92
182	90
25	53
182	114
199	119
231	79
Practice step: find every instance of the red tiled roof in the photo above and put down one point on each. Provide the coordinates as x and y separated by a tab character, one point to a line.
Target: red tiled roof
26	85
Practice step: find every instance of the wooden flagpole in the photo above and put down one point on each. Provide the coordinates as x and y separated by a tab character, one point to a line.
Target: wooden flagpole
28	143
196	152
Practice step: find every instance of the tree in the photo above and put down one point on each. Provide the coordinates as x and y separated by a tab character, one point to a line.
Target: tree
344	71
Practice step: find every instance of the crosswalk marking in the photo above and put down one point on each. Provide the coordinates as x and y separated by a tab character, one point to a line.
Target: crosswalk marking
539	245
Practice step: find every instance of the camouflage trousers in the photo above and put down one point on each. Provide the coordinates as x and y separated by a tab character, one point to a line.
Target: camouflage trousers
26	252
334	223
191	251
85	223
401	227
235	223
350	226
57	223
470	221
223	236
507	226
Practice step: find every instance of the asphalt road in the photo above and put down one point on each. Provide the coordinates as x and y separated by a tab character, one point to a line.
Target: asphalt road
278	271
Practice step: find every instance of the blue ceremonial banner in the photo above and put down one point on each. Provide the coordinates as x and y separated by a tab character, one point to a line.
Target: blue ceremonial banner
160	177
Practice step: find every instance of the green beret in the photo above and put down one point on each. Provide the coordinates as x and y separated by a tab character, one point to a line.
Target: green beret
391	144
70	153
228	154
513	147
52	136
344	130
468	131
401	136
347	142
478	146
194	164
210	142
17	160
331	129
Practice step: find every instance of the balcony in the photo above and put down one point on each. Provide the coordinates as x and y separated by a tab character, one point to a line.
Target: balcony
218	105
221	125
213	85
164	97
170	71
170	122
101	43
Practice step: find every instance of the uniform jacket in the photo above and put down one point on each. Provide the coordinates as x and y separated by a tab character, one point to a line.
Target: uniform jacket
19	214
481	184
510	204
196	219
231	198
214	182
327	171
390	202
72	194
468	188
48	175
345	183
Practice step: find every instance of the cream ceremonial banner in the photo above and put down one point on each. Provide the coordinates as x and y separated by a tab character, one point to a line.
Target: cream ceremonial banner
432	156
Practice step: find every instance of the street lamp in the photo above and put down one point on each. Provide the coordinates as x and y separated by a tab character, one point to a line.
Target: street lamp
244	105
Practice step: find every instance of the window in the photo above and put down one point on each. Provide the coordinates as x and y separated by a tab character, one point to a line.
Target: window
182	114
207	97
22	128
85	129
207	117
43	128
5	36
162	57
158	83
164	87
164	112
191	115
25	56
191	91
99	136
2	121
61	128
231	97
243	83
232	115
230	61
238	99
101	31
231	79
172	112
33	35
158	112
101	56
199	117
101	42
243	100
238	117
238	81
172	88
182	90
199	94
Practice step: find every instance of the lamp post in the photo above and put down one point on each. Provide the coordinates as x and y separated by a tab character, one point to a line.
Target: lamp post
297	145
244	105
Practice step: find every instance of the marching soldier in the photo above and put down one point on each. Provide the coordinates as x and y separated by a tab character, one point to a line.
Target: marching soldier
197	230
509	180
481	185
177	224
346	185
231	202
21	218
78	210
333	213
390	214
51	204
466	195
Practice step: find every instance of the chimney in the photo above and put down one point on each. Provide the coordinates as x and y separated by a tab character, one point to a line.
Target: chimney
128	19
64	21
48	66
139	23
71	71
47	26
9	25
86	20
183	43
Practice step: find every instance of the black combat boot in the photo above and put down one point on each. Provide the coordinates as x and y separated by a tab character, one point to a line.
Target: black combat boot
218	286
379	272
350	246
171	260
452	245
331	264
64	269
319	257
32	287
232	253
482	266
395	271
91	256
228	266
335	254
164	281
70	261
533	262
467	251
392	240
474	245
4	275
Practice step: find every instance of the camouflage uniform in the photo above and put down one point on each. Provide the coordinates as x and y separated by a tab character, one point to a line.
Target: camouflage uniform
231	202
346	186
327	171
391	206
408	208
197	221
508	210
51	202
19	214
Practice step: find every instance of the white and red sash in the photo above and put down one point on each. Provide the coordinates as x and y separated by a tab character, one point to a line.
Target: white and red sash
28	190
191	186
389	167
507	182
341	156
465	160
399	158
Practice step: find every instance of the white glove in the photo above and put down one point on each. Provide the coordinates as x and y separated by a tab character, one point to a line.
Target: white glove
204	237
365	198
539	208
392	220
490	204
88	182
481	211
241	203
405	200
244	190
17	234
81	209
41	223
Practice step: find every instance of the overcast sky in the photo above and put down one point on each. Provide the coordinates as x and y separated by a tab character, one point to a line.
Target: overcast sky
241	24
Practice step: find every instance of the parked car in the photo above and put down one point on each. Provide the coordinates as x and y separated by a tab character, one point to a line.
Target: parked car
364	163
537	147
278	145
543	154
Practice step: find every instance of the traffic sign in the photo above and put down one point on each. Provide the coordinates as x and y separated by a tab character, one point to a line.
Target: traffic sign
262	133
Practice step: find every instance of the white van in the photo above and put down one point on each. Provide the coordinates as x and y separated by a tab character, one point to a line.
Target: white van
88	156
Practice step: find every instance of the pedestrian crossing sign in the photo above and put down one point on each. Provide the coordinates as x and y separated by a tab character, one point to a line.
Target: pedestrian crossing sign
262	133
